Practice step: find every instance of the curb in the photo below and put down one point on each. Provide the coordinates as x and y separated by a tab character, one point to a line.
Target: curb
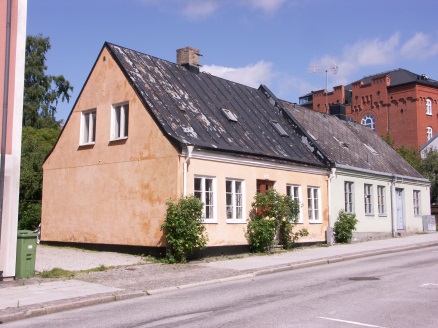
95	300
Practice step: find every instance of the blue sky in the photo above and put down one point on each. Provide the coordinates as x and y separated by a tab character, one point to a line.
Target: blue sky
274	42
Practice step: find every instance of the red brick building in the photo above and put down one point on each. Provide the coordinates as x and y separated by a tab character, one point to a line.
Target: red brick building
398	102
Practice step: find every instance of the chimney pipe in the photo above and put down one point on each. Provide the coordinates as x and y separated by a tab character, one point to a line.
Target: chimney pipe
189	58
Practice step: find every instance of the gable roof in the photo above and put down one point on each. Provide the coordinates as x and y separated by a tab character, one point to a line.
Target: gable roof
349	144
398	77
188	107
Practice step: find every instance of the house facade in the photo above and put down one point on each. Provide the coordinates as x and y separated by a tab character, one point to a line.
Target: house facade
144	131
368	178
12	58
398	103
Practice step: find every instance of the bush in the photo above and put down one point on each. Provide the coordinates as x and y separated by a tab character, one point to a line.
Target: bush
344	226
272	213
183	228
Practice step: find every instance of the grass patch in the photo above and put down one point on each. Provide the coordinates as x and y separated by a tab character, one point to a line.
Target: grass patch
61	273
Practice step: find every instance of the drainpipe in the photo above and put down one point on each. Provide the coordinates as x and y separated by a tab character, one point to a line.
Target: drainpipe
332	175
185	168
5	112
393	218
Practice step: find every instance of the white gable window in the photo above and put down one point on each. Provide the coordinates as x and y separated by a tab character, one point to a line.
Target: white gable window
349	197
417	202
234	194
119	121
428	107
88	127
204	189
313	205
381	200
369	121
294	192
429	133
368	199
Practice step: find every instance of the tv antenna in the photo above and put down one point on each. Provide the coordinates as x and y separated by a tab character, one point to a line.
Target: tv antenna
317	69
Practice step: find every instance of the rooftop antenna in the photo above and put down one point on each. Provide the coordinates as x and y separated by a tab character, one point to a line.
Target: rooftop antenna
334	69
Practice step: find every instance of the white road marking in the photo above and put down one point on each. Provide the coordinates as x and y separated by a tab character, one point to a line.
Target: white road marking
352	322
428	284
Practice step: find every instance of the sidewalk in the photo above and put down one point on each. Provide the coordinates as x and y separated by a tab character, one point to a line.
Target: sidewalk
25	298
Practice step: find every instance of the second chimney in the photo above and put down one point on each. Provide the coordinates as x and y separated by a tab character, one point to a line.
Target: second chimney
189	58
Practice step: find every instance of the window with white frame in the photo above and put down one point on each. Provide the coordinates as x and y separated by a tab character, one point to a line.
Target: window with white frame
88	127
294	192
381	200
349	197
234	192
369	121
429	133
204	190
119	121
313	204
368	198
417	202
428	106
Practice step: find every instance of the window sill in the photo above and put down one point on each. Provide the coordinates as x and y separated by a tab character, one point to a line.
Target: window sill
383	215
86	145
231	221
118	139
315	222
211	221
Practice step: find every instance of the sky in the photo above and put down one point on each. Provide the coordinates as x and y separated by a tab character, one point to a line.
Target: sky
292	46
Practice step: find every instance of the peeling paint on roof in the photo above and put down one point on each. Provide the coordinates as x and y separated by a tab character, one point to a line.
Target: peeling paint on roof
187	107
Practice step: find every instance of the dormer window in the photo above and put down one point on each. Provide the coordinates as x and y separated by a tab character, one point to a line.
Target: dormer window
279	129
229	114
428	107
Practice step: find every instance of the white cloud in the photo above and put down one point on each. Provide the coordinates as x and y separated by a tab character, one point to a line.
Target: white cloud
419	46
195	9
199	9
251	75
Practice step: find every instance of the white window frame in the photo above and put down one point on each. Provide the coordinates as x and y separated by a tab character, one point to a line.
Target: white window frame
416	200
119	121
369	121
429	132
368	198
428	106
234	201
88	127
203	197
349	201
314	204
381	202
294	192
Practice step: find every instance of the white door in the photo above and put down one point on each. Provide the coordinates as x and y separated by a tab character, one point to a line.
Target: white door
400	209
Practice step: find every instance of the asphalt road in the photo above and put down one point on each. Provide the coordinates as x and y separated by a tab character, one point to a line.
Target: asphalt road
395	290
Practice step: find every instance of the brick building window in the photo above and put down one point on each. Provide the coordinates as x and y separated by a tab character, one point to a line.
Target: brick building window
428	107
369	121
429	133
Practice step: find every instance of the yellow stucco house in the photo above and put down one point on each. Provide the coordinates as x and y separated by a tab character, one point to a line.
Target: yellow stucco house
144	130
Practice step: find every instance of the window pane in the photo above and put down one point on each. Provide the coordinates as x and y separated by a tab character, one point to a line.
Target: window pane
229	186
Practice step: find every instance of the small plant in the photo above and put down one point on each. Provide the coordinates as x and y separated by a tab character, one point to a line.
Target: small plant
183	228
273	215
344	226
56	273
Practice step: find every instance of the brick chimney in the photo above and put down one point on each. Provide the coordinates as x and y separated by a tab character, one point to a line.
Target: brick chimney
189	58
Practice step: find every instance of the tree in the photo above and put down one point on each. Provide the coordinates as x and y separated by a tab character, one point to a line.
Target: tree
41	91
40	127
36	144
429	169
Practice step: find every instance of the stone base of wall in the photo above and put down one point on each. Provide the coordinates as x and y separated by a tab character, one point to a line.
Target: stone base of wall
367	236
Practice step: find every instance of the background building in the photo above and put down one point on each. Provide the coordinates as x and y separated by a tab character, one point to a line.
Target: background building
12	60
399	103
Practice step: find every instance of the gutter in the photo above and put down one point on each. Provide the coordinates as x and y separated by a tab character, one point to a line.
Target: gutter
404	177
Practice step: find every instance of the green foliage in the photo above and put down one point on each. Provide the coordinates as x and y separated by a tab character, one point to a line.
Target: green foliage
36	144
273	212
344	226
41	91
429	169
261	233
183	228
410	155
